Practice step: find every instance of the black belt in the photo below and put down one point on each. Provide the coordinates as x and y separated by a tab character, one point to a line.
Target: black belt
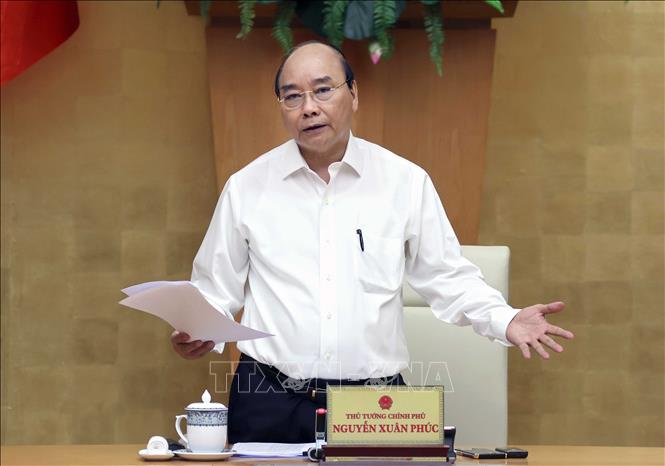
315	389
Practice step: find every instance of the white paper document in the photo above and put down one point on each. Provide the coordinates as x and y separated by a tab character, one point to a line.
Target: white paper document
271	450
135	289
183	306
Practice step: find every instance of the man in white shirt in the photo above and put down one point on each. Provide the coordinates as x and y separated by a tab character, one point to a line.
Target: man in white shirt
314	240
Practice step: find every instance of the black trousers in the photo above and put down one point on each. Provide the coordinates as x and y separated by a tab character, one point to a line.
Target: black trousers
267	406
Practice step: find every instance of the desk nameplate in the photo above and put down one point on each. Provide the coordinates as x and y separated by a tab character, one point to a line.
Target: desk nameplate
387	415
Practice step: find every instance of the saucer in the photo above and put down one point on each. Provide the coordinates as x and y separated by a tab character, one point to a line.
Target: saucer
205	455
152	455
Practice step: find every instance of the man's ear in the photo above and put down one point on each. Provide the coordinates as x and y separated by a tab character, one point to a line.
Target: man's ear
354	94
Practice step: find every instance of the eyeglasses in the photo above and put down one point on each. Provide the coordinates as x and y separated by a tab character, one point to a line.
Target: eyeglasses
294	100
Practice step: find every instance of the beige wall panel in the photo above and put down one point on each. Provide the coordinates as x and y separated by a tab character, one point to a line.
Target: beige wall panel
574	185
107	180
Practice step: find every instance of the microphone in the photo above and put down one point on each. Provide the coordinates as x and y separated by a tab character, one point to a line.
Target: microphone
316	452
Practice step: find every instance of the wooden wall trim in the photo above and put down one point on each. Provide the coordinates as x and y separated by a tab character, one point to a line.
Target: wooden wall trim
464	10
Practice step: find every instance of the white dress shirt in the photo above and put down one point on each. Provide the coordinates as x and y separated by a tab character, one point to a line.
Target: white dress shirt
284	244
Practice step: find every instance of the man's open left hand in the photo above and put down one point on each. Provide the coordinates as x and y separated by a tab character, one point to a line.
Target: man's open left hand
530	329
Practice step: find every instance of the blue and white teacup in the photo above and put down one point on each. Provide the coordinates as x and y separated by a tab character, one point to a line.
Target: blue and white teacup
206	426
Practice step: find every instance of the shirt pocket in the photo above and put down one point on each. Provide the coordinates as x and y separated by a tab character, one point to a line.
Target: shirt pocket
380	267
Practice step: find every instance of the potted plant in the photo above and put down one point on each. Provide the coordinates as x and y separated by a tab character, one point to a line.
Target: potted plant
337	20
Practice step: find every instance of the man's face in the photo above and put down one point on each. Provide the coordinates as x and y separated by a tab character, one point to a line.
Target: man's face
317	127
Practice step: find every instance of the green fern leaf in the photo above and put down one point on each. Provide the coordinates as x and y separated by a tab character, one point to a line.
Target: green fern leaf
496	4
204	7
385	16
386	43
333	20
385	13
434	31
246	17
281	31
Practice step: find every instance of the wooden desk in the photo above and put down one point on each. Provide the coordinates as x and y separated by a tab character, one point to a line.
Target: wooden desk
126	455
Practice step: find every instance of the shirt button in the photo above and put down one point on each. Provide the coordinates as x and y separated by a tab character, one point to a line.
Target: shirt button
328	316
327	356
328	278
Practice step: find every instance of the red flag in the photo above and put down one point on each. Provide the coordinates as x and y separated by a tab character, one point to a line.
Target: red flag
31	29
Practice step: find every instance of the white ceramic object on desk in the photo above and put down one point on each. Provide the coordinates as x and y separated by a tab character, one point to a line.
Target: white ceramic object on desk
205	456
157	449
206	426
155	455
157	443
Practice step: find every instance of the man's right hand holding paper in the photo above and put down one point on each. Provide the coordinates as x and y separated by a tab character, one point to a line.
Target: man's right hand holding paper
190	349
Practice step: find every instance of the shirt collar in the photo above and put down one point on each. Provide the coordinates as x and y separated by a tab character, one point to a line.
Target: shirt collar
354	155
293	161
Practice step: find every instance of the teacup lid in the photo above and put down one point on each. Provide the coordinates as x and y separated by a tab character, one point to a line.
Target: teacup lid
206	403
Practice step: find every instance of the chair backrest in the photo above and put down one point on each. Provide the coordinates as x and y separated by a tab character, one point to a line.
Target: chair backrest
473	370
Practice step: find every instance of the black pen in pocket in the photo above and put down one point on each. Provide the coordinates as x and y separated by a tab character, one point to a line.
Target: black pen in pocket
360	238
